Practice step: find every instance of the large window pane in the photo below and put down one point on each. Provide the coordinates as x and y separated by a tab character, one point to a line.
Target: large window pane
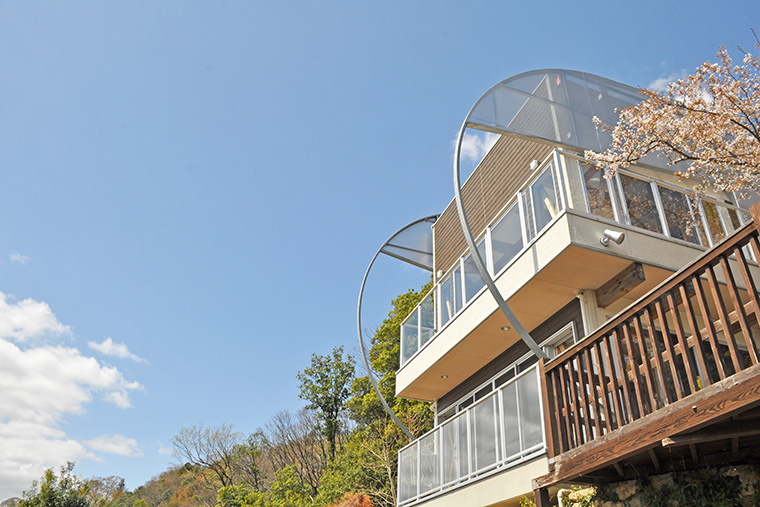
544	198
714	226
451	295
506	238
511	421
409	336
472	279
639	200
455	448
678	214
599	201
530	411
429	476
407	473
427	319
485	437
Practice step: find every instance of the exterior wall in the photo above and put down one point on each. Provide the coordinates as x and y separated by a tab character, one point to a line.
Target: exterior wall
497	178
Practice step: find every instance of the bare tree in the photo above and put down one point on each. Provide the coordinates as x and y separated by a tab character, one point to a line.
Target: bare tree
211	448
294	440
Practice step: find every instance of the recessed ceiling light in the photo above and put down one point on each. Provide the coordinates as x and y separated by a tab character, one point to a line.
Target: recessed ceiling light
444	377
505	328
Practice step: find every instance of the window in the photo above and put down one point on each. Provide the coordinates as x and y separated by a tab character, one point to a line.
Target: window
559	341
678	214
506	238
597	192
639	200
544	199
472	279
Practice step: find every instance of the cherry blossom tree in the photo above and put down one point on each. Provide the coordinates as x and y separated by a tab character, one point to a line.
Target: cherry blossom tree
709	120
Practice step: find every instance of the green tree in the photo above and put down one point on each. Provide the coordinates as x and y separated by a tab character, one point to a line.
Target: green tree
288	490
325	386
63	490
369	464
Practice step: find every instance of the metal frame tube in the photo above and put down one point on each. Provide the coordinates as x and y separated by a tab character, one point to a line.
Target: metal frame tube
367	365
468	236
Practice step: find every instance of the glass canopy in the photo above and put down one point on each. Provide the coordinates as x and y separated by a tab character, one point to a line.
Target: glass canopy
555	105
413	244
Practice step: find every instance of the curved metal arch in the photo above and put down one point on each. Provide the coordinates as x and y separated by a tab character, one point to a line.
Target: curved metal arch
373	381
468	236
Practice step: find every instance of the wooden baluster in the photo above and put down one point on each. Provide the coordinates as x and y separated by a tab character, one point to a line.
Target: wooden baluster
669	348
752	290
725	322
691	369
696	334
657	357
645	362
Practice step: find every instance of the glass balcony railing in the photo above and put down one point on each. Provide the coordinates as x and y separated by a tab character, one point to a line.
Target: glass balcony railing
500	431
562	182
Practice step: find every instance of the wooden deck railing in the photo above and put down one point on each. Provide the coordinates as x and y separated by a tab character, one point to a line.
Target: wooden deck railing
697	328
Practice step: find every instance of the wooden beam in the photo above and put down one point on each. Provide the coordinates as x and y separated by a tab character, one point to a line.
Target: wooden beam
541	497
735	429
654	459
694	455
712	404
620	284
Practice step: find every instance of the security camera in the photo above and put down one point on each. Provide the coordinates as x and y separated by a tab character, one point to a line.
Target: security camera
610	235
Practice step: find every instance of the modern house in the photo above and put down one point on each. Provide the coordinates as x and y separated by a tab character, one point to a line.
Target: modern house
643	297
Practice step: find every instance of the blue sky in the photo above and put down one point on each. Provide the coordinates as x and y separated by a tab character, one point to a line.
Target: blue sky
190	191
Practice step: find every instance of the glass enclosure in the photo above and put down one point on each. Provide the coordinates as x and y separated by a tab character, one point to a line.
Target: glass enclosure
563	181
501	430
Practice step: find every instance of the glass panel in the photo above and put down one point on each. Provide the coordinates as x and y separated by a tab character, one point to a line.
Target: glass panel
730	219
530	411
448	299
597	190
427	318
510	420
472	280
455	449
544	198
409	337
506	238
639	199
407	473
485	437
429	478
714	226
678	214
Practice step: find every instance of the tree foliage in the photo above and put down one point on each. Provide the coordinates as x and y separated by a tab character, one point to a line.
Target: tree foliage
325	387
710	121
62	490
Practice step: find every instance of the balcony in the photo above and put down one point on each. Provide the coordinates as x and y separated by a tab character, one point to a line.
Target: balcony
671	383
499	432
544	245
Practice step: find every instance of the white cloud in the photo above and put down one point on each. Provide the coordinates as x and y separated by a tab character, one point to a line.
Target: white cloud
28	449
111	348
661	83
165	451
475	146
28	319
115	444
17	257
41	383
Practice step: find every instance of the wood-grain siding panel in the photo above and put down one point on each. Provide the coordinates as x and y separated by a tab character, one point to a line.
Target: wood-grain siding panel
496	179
